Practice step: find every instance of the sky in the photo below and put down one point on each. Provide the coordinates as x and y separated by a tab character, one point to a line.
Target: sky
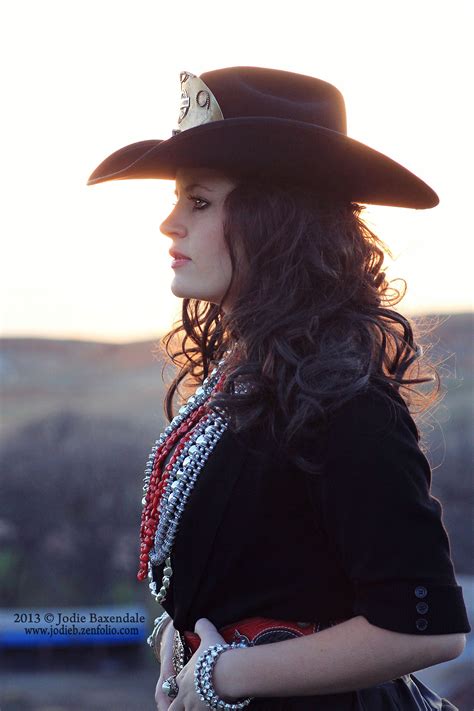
81	79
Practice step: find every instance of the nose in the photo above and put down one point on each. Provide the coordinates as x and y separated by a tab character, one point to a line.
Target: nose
172	226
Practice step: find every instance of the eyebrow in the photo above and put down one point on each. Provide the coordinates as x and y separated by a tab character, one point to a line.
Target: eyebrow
191	186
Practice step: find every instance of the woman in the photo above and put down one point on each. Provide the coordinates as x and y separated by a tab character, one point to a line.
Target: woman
288	529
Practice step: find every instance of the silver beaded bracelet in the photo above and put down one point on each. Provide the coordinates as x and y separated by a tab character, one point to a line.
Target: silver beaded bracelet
154	639
203	677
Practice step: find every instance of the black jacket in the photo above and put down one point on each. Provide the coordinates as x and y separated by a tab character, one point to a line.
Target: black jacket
260	537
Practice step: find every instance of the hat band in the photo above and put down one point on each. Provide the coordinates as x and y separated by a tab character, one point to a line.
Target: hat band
198	104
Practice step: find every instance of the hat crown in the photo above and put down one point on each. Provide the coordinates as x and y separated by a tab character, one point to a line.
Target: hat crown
257	91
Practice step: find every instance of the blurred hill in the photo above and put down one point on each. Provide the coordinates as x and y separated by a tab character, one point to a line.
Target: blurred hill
40	377
77	421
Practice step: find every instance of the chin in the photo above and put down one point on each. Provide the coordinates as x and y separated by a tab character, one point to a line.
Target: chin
184	292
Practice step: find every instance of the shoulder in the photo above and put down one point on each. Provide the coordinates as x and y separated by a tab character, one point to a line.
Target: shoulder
361	426
376	414
372	439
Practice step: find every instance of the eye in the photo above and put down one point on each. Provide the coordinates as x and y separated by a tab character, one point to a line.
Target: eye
199	203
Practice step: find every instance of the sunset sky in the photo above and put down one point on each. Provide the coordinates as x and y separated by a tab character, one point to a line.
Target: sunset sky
82	79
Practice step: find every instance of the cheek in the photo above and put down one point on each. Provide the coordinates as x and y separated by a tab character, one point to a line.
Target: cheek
215	255
223	266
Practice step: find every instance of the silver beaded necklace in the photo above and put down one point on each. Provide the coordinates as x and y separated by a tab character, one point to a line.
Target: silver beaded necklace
183	475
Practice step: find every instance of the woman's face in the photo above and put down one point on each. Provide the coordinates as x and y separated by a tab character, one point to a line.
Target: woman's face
195	227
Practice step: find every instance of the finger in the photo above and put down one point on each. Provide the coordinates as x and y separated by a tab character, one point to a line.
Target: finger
162	701
204	627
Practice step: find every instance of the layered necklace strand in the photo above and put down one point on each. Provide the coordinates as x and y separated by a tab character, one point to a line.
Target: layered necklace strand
168	488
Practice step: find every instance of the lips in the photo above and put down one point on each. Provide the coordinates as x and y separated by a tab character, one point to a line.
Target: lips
177	255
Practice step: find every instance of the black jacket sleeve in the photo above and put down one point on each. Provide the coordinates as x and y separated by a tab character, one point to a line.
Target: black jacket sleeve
375	505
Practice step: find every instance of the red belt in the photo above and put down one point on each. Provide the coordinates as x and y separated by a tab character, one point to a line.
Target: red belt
258	630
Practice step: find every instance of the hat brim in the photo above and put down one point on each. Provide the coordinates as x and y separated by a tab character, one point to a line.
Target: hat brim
329	161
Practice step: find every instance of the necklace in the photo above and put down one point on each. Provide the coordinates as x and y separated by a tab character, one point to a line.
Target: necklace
168	489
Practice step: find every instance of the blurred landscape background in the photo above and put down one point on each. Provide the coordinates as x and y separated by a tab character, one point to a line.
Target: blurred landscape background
77	421
78	417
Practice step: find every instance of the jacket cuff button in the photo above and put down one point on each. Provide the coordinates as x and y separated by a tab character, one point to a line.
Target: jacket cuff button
421	624
422	608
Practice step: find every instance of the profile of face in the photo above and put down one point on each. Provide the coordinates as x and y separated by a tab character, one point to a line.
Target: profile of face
201	260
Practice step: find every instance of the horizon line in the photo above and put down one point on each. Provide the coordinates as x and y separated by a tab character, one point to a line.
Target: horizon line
146	338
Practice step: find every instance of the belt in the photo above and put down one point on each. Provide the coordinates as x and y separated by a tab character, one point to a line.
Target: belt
255	630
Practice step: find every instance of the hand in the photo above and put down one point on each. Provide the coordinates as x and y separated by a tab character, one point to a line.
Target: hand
166	667
187	699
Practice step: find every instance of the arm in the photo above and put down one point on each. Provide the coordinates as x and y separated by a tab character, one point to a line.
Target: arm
166	666
351	655
373	504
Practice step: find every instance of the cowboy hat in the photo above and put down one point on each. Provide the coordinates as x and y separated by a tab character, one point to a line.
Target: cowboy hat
269	122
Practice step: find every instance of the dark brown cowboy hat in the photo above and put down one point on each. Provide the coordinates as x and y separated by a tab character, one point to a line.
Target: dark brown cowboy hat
268	122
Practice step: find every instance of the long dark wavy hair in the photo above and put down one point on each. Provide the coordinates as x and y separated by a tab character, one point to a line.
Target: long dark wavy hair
312	323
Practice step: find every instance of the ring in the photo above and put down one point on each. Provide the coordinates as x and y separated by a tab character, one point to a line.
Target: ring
170	686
